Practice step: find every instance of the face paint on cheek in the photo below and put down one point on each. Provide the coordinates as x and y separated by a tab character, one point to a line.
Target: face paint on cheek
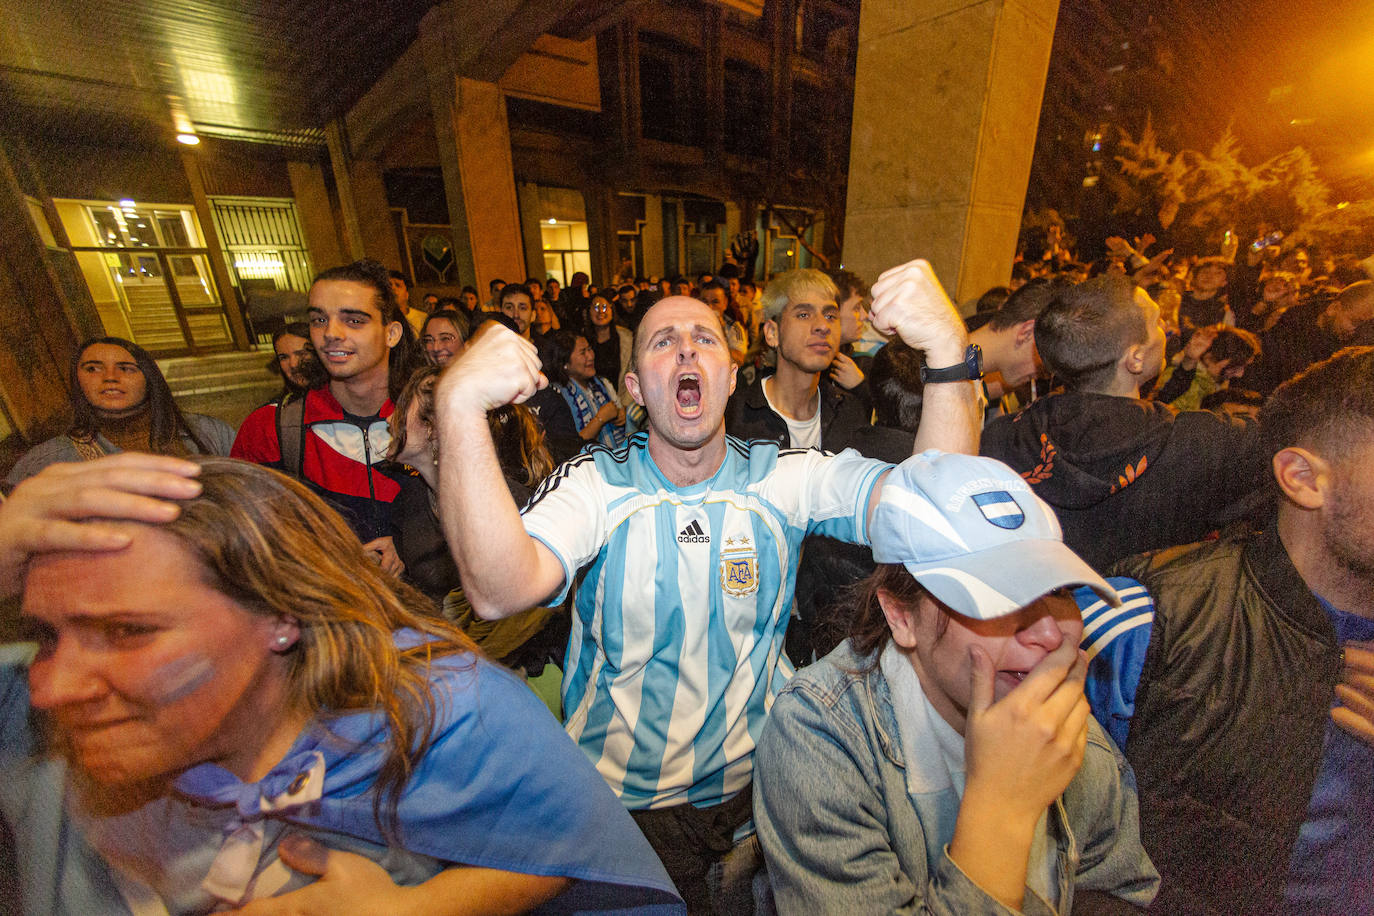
180	678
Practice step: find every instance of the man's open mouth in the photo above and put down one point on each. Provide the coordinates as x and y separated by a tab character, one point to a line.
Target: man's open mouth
689	395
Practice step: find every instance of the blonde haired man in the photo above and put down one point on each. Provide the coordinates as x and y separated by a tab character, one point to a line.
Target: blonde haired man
798	406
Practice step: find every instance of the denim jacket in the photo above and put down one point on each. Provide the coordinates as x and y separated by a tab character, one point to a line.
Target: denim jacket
841	835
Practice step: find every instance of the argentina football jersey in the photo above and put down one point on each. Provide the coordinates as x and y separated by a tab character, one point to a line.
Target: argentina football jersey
682	600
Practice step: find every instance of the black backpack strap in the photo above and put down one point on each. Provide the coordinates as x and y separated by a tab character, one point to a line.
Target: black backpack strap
291	435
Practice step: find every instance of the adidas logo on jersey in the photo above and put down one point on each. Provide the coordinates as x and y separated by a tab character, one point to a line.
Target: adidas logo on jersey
693	534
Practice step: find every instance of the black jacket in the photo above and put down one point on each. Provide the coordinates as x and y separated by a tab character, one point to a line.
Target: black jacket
1125	475
419	538
829	567
748	416
1231	712
1200	313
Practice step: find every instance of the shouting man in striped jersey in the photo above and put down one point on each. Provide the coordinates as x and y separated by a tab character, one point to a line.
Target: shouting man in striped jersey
682	547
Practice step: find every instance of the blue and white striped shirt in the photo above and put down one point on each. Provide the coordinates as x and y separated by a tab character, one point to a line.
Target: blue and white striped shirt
676	650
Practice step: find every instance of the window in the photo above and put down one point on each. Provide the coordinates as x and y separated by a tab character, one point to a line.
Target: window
565	249
671	90
746	110
263	242
148	272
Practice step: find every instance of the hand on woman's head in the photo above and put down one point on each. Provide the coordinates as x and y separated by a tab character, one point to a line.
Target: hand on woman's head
63	507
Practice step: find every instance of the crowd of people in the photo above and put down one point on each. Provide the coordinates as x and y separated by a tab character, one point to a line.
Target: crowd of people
848	603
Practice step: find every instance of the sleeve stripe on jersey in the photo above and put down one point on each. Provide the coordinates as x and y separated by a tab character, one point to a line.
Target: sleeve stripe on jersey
559	473
1099	620
1131	597
1102	641
1102	624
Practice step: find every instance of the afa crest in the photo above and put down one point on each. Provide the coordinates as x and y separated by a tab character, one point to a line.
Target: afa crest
739	568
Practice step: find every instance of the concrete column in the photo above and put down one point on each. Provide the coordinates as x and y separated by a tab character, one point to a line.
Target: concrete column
527	194
670	214
39	327
618	56
946	100
229	300
316	214
732	222
374	214
781	20
713	54
479	176
343	182
602	238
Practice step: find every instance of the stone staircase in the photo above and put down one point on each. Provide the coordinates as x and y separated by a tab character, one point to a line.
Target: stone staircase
153	321
224	385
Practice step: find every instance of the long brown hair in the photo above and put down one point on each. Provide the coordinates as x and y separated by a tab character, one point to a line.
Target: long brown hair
418	390
277	549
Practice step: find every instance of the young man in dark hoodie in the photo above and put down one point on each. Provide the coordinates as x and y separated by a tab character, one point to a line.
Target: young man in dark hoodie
1124	475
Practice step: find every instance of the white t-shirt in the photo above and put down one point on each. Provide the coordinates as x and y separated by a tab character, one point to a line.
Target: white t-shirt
800	433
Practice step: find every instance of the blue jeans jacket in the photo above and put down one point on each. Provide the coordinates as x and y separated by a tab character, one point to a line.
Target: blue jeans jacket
840	833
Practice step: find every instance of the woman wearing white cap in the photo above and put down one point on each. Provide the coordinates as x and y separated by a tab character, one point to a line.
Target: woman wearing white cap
943	759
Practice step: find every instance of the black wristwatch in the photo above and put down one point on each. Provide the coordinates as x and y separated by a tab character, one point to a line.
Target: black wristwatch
969	370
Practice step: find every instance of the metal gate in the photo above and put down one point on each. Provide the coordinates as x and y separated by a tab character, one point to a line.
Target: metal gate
263	243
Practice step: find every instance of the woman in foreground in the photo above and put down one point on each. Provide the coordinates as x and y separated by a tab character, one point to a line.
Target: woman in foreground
943	758
241	710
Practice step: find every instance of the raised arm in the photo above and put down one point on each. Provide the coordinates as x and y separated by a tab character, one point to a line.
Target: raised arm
909	301
504	570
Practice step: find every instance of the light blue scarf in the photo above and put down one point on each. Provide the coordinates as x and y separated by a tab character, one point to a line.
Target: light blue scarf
584	402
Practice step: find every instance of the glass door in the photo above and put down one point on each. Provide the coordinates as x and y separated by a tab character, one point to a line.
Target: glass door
156	272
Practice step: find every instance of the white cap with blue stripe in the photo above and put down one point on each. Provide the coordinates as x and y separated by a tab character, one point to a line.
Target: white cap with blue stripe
970	530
